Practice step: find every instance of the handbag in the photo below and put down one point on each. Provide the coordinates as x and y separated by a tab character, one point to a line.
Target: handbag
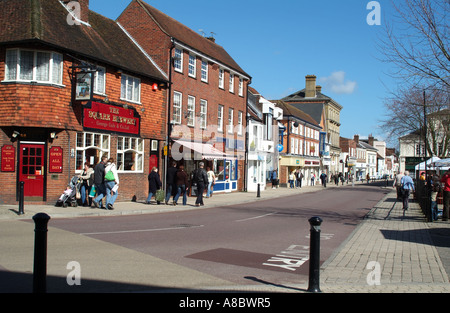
160	195
92	192
109	176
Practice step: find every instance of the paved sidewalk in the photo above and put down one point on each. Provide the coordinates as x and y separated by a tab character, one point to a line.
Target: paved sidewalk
401	244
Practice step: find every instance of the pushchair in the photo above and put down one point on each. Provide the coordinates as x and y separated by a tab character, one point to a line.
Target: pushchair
69	196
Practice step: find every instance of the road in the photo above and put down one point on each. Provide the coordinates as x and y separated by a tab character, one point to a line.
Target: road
266	242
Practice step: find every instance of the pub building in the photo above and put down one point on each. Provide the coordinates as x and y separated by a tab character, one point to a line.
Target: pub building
72	89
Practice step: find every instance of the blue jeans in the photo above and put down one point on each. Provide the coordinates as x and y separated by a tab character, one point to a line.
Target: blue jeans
169	192
181	189
434	210
101	191
83	190
110	199
209	192
150	195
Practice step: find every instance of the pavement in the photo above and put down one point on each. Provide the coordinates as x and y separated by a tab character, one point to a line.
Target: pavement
390	251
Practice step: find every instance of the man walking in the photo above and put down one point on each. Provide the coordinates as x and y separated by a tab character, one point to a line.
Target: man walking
398	185
201	178
323	178
99	181
171	181
446	180
407	186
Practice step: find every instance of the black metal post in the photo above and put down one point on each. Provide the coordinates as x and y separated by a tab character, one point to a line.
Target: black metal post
258	193
40	253
21	197
314	255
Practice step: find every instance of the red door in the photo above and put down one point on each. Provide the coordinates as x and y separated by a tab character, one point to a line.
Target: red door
32	170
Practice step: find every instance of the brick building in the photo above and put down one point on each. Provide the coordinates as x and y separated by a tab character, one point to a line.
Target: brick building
208	95
52	120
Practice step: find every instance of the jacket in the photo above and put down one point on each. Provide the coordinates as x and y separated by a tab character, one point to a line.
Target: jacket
181	178
171	175
154	182
112	167
200	176
88	176
99	174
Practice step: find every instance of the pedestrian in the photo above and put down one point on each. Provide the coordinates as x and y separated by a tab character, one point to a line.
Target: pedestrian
398	185
299	178
111	183
201	179
407	186
446	180
88	181
368	178
341	177
323	178
435	189
170	182
313	178
291	179
336	179
211	182
181	180
274	179
99	182
154	184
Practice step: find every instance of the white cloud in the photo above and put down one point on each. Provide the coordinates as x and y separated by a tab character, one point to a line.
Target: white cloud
336	83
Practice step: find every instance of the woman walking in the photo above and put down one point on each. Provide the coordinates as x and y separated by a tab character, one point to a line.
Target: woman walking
181	180
154	184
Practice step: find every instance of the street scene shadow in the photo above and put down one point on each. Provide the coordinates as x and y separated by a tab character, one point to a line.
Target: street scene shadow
438	237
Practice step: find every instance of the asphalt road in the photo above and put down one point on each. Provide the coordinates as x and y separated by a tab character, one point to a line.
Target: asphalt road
258	243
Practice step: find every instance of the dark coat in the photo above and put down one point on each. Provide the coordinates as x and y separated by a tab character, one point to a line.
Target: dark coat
154	183
171	175
181	178
99	174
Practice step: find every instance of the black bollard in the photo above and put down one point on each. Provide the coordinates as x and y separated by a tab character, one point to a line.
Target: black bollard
40	253
314	255
21	197
258	193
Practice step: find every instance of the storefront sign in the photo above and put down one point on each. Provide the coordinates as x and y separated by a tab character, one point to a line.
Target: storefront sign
8	158
100	116
55	160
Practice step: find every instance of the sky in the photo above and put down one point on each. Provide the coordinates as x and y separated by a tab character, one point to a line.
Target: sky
279	42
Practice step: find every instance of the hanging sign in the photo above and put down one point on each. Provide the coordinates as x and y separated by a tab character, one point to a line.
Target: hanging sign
55	160
8	158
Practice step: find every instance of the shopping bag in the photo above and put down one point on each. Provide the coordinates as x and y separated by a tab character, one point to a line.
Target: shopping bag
160	195
92	192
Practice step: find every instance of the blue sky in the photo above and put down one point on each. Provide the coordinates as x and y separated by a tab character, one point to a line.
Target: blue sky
280	42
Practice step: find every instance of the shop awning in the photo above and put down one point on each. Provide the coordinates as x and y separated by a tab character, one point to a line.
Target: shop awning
207	151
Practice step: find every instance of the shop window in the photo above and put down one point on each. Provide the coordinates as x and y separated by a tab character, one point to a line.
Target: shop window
90	148
130	154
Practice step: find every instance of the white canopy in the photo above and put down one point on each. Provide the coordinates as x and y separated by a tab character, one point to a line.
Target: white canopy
430	162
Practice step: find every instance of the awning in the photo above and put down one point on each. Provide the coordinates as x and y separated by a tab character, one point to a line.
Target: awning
207	151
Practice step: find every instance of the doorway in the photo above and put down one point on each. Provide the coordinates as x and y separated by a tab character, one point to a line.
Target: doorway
31	170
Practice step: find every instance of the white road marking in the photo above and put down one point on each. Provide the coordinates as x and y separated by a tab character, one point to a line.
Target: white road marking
140	230
256	217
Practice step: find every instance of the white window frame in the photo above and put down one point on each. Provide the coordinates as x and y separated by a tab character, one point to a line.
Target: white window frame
220	118
134	145
240	122
204	70
241	87
178	60
177	107
124	92
203	113
231	86
101	71
192	69
89	142
52	80
221	78
230	120
191	111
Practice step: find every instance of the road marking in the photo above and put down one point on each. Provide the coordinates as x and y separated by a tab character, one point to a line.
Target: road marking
256	217
140	230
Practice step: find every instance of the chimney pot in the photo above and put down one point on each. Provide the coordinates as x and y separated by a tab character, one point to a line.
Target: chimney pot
310	91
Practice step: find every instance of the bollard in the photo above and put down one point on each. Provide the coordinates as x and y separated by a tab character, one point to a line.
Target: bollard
40	253
314	255
21	197
258	193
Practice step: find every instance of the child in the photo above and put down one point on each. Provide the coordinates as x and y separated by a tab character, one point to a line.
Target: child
67	193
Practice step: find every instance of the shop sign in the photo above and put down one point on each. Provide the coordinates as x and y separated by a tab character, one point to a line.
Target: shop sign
55	160
8	158
100	116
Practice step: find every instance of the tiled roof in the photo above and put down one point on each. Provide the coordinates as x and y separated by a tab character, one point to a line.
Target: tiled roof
293	111
191	38
46	21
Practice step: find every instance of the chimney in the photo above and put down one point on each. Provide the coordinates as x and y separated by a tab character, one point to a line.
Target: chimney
310	91
319	89
371	140
356	138
211	38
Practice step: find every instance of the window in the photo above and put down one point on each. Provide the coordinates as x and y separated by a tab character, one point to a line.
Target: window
269	124
191	111
130	89
39	66
177	106
178	60
90	148
204	71
99	80
230	120
130	154
241	87
220	118
240	115
192	65
203	113
221	78
231	87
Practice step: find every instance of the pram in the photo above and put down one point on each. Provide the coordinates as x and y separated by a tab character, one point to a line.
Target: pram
69	196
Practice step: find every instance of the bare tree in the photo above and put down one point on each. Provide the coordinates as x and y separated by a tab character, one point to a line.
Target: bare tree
416	41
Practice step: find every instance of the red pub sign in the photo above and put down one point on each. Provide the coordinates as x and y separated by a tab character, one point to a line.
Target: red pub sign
56	160
8	158
111	118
